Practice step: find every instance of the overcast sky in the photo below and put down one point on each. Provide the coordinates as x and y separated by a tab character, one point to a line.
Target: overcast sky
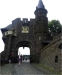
11	9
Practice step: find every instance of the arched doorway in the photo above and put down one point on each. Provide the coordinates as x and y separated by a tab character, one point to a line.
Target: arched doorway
23	44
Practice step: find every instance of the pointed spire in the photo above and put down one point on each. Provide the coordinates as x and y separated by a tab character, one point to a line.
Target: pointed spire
40	4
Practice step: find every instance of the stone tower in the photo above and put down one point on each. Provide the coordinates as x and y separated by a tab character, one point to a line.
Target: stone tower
40	27
41	21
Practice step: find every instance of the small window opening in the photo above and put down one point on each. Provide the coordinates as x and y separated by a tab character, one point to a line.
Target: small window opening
25	29
39	38
60	46
56	59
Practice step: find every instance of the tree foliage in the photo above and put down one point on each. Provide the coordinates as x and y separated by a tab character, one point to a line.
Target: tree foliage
54	26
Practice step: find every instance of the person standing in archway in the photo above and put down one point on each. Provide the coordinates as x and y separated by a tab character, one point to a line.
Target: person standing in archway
19	59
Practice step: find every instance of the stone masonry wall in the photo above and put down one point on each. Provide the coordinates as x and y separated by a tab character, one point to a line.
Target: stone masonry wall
51	55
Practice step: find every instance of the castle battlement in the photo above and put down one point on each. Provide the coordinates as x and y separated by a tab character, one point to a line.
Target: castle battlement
24	20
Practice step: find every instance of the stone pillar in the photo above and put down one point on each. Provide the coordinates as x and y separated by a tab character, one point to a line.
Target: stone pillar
15	55
38	51
31	55
7	46
38	47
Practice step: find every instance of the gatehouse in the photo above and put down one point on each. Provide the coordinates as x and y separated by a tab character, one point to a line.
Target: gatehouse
23	33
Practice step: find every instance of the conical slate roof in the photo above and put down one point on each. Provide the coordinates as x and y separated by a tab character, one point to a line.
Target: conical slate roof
40	4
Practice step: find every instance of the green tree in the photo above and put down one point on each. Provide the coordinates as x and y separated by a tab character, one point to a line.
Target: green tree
54	26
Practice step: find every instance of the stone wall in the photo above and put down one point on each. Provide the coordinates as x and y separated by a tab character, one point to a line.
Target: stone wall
51	55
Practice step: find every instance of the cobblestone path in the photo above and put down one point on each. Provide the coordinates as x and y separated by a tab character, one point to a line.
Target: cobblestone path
23	69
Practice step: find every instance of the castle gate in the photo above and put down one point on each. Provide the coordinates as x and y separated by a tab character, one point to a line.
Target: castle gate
25	44
24	33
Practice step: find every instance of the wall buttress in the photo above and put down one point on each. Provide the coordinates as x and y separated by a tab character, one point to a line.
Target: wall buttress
7	46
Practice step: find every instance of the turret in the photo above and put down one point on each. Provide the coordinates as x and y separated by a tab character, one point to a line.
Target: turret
41	20
40	9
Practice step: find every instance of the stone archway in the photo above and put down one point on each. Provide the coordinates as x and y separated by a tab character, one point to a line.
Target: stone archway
24	44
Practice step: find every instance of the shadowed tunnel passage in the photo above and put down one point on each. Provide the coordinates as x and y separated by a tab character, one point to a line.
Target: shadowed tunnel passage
23	45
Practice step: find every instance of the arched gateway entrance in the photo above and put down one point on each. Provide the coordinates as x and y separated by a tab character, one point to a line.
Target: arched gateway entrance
24	44
15	48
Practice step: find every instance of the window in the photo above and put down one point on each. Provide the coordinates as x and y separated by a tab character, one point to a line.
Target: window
25	29
10	32
39	38
60	46
6	33
14	32
56	59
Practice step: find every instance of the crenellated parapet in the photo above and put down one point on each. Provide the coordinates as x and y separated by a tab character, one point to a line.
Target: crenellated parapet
23	21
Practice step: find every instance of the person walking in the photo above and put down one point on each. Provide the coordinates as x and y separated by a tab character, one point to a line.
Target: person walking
19	58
